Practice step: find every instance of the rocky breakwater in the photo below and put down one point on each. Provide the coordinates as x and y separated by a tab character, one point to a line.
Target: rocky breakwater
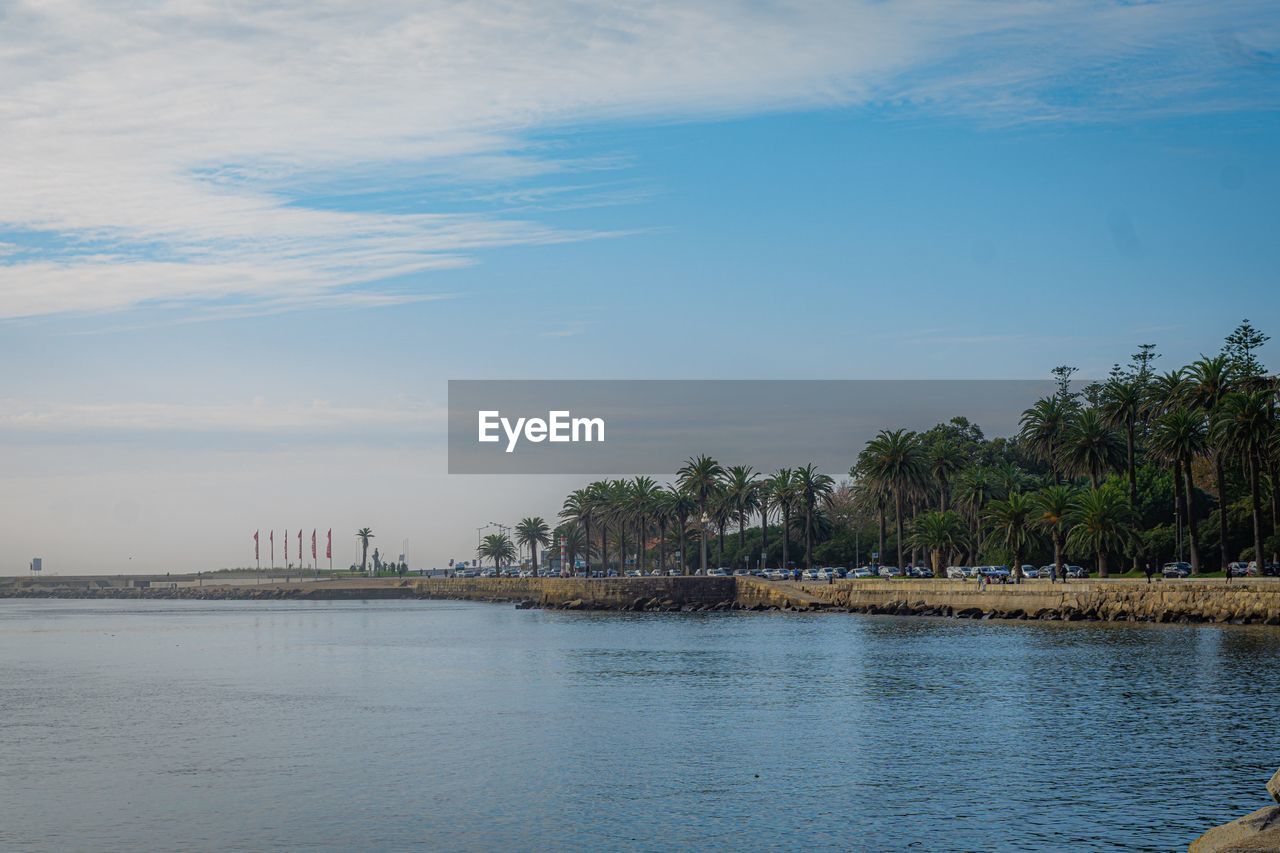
1257	831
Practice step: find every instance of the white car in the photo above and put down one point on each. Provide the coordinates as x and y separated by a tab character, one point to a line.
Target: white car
717	573
890	572
1030	572
958	572
863	572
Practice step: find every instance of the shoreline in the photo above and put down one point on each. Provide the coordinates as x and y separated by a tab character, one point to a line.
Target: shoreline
1169	602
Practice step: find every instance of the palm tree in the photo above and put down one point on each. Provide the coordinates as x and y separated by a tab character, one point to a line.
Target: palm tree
682	505
764	496
1210	381
1178	437
1167	391
700	476
579	509
572	541
894	458
643	498
497	547
939	532
1054	506
945	459
1090	448
364	534
974	488
532	532
785	491
1012	522
1044	429
1101	523
813	487
1243	426
742	489
1121	404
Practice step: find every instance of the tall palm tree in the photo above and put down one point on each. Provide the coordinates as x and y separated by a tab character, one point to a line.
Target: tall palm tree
974	489
814	486
742	489
939	532
1012	522
1090	448
764	505
580	508
786	492
497	547
700	476
1243	426
1101	523
532	532
643	495
1178	437
364	534
1122	403
1053	506
1044	428
895	458
682	505
1210	381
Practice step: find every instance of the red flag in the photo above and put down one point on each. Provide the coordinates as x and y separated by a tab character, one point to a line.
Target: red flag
313	543
255	544
328	546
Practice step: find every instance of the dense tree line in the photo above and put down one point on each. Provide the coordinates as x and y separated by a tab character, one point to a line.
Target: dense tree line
1129	471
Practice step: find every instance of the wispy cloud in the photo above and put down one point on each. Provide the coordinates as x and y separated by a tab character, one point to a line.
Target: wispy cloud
168	146
257	416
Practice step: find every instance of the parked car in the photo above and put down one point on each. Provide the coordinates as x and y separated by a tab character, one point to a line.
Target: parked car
1030	572
717	573
634	573
957	572
1239	570
1176	570
741	573
1077	572
863	572
890	572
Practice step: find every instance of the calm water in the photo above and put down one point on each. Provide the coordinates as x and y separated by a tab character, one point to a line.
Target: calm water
346	725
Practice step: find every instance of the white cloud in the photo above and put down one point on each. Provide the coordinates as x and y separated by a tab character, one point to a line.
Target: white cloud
161	143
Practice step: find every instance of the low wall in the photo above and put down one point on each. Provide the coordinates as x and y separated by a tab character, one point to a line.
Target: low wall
593	593
1240	602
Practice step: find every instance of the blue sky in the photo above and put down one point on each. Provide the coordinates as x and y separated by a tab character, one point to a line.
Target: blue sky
249	286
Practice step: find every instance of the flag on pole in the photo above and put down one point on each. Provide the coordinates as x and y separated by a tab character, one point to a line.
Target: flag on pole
328	546
286	545
299	546
313	543
255	544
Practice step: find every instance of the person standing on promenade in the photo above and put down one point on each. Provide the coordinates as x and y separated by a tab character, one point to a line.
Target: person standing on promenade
1149	571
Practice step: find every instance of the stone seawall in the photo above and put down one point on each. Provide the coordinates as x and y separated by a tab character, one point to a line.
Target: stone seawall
1239	602
669	593
1186	601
